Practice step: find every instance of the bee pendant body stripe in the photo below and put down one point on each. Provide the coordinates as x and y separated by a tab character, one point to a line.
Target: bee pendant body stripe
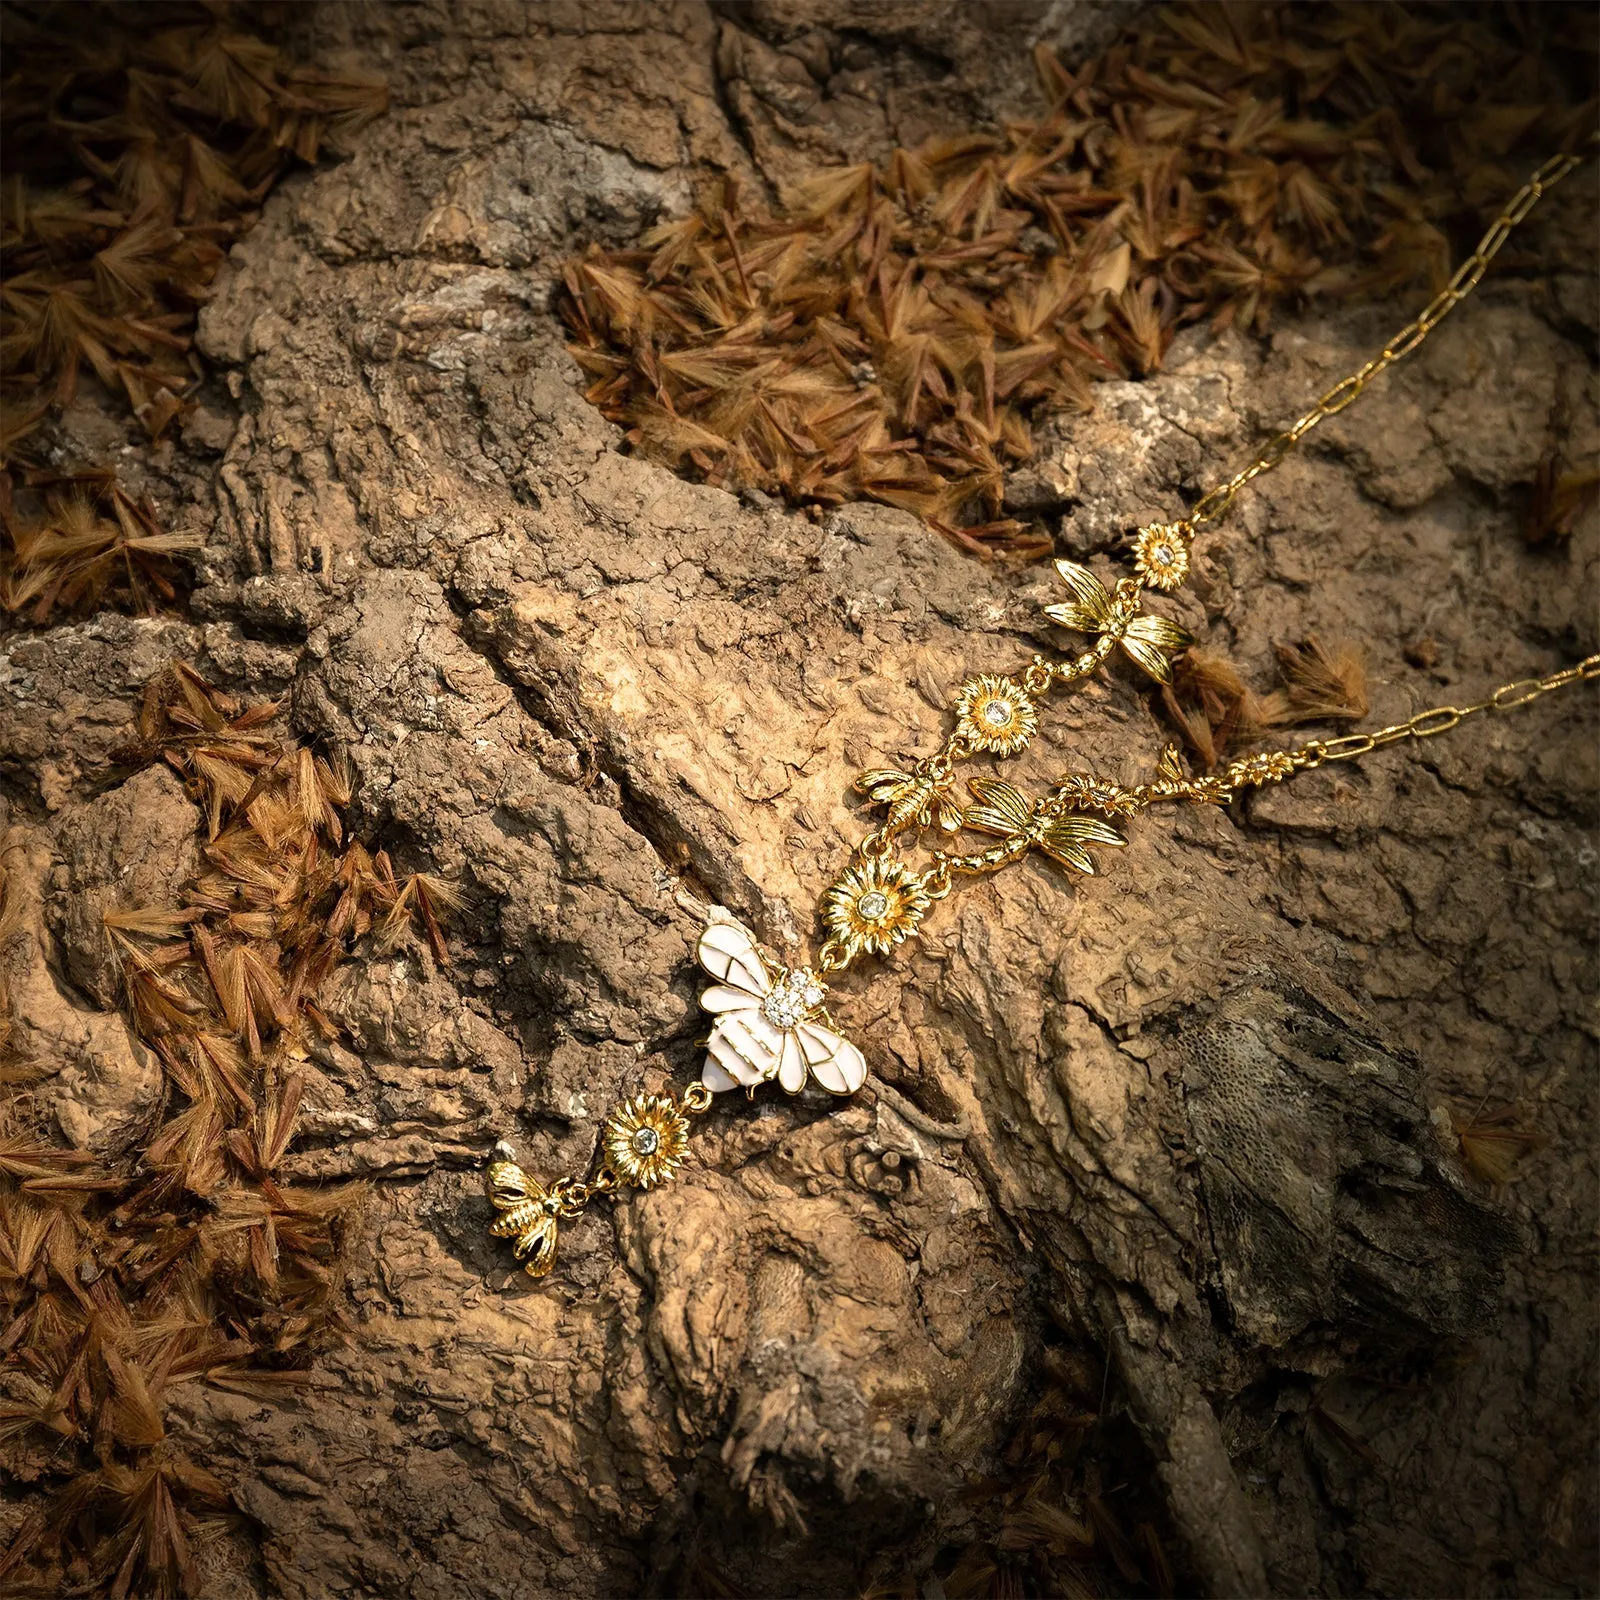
748	1048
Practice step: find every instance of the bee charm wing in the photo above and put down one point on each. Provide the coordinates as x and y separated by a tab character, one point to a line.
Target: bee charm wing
910	799
884	784
520	1200
729	954
834	1062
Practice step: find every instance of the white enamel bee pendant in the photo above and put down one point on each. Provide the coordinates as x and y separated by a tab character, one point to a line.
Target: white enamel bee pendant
764	1025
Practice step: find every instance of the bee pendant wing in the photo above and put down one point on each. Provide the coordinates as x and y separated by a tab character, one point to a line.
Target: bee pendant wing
729	954
834	1062
746	1050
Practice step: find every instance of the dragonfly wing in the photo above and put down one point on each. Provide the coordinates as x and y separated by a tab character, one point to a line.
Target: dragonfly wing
1149	658
1159	631
1066	839
1068	854
1089	610
1006	809
1149	640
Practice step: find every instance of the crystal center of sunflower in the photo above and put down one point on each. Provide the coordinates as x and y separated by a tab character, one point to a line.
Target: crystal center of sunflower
873	904
646	1141
997	713
1162	555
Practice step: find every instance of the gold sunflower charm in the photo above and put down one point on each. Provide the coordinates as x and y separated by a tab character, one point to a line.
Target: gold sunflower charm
645	1139
1160	556
995	714
874	907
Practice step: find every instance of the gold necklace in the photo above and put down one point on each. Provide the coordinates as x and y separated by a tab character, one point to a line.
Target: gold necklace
772	1021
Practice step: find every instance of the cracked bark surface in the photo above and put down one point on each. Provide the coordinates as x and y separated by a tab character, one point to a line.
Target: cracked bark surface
1186	1115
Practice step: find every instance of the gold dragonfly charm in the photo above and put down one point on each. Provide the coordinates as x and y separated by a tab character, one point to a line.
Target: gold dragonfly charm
1148	641
1022	825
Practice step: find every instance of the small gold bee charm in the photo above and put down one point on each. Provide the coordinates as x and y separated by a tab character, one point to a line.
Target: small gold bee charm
912	797
528	1213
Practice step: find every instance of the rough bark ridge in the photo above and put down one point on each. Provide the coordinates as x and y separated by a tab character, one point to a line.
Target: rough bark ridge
1193	1114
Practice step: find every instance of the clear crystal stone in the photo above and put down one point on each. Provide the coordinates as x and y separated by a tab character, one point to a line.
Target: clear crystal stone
646	1141
997	713
1162	554
783	1008
873	904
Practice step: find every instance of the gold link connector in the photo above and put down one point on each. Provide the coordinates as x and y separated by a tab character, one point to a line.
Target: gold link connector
1441	719
1465	278
833	957
1038	675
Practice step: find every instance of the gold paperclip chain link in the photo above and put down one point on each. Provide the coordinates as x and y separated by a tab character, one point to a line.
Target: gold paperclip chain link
1214	504
1441	719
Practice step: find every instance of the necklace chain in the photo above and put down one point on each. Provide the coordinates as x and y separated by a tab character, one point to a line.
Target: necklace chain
878	901
1441	719
1463	281
1273	766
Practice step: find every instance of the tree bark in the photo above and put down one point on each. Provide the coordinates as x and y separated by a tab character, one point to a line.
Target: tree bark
1191	1118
